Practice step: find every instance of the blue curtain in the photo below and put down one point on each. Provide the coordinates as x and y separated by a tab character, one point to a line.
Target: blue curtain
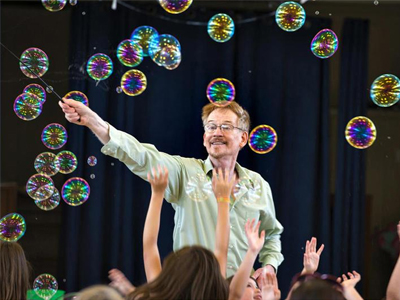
277	78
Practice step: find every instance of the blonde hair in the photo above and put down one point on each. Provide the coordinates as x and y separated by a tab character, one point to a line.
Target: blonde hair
243	115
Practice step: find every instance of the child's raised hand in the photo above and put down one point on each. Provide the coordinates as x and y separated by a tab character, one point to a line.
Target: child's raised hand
222	184
158	179
255	240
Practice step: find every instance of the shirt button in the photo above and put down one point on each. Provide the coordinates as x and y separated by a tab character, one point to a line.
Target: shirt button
230	246
231	226
230	267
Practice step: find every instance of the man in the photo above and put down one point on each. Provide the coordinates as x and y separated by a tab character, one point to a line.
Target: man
189	183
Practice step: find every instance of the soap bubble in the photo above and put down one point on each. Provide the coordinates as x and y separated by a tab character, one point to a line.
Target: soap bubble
119	89
54	5
99	66
324	44
45	163
37	90
27	106
143	35
175	6
50	203
290	16
34	61
73	2
385	90
165	50
133	82
221	28
263	139
66	161
175	65
49	89
12	227
92	176
45	286
40	187
75	191
129	53
78	96
220	92
92	161
199	188
360	132
54	136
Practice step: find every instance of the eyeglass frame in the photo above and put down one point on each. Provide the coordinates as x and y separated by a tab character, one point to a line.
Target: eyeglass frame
220	127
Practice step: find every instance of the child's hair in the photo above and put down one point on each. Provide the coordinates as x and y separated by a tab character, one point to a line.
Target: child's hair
189	273
14	272
316	288
99	292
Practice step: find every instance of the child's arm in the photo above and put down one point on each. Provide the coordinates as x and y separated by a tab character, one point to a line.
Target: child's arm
311	257
349	283
222	187
393	289
151	256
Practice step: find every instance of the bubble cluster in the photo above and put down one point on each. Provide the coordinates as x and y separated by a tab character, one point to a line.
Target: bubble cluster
220	92
175	6
385	90
75	191
199	188
78	96
165	50
45	286
99	66
92	161
129	53
34	61
290	16
324	44
46	163
263	139
40	187
50	203
221	28
143	35
37	90
66	161
27	106
133	82
360	132
54	136
12	227
54	5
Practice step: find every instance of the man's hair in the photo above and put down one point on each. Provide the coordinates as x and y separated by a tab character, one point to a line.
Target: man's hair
243	115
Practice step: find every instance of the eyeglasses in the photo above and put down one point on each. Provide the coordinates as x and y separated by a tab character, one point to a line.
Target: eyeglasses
211	127
326	277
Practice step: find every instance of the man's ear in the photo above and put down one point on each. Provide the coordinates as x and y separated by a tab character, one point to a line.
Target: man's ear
245	137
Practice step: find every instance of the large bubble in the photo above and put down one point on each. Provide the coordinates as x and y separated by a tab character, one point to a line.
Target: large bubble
221	28
75	191
37	90
45	163
199	188
50	203
324	44
143	35
385	90
133	82
220	92
290	16
45	286
27	106
78	96
12	227
165	50
175	6
66	161
34	61
99	66
54	5
263	139
40	187
360	132
54	136
129	53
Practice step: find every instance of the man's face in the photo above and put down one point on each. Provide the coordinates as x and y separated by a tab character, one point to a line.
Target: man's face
221	144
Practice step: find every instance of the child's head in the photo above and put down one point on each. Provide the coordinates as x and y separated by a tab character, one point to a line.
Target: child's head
189	273
14	272
99	292
252	290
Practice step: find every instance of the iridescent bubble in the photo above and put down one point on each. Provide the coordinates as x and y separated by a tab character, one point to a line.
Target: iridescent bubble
92	176
263	139
54	136
54	5
199	188
99	66
92	161
220	92
66	161
75	191
133	82
221	28
49	89
175	6
360	132
78	96
45	163
34	61
37	90
73	2
165	50
40	187
175	65
129	53
45	286
143	35
324	44
12	227
385	90
118	89
290	16
50	203
27	106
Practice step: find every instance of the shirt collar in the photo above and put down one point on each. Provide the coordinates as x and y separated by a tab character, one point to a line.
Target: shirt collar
208	168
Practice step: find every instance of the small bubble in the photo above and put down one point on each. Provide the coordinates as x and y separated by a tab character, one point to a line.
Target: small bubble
83	13
64	280
119	90
112	164
330	14
249	71
386	156
317	12
73	2
92	176
35	218
389	137
49	89
94	48
376	2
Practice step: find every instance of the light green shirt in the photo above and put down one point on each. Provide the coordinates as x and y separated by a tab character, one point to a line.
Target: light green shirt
190	193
